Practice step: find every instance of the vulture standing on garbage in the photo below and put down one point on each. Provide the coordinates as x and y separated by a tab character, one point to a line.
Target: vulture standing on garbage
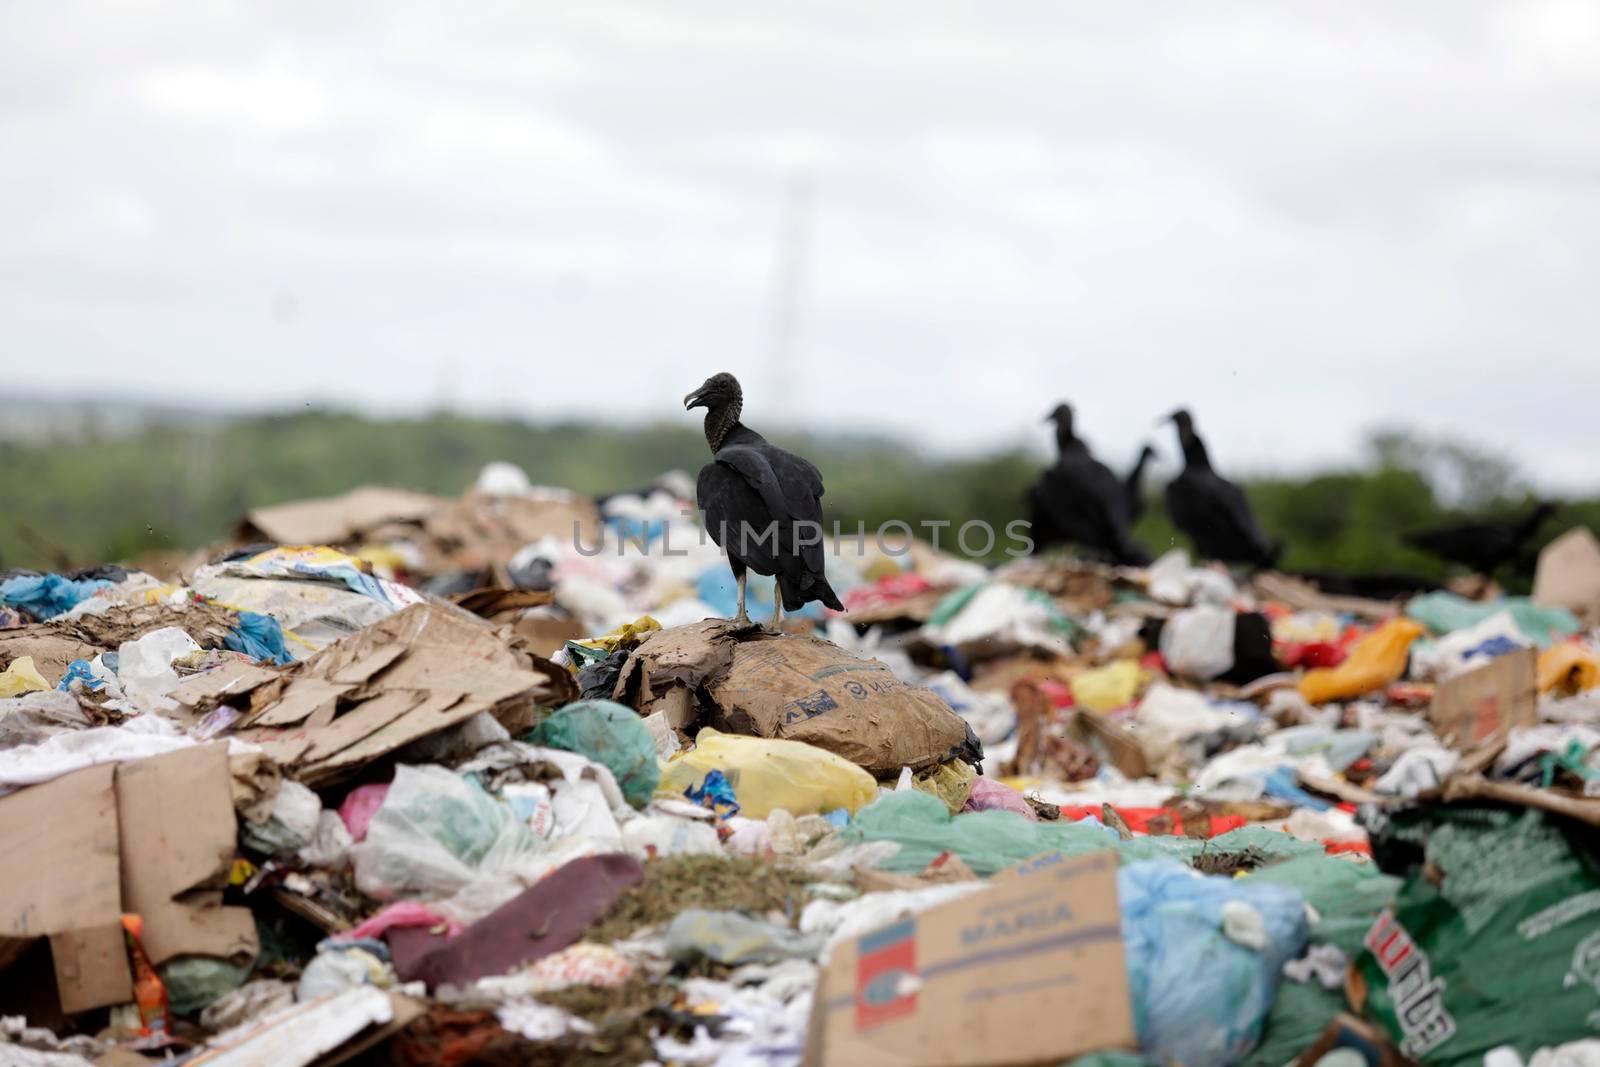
1136	484
1212	510
761	504
1080	500
1485	545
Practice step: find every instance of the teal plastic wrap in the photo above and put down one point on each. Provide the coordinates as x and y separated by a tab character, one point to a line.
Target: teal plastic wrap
609	734
988	841
1445	613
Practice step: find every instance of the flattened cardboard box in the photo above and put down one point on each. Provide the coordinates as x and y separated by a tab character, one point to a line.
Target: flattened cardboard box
1030	970
417	672
154	838
1481	706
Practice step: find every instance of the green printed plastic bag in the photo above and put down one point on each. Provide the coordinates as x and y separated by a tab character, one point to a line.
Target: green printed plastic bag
609	734
1503	950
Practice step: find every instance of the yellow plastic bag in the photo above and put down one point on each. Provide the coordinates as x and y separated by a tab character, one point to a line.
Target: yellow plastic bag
1569	668
625	636
951	782
1106	688
770	774
21	677
1378	659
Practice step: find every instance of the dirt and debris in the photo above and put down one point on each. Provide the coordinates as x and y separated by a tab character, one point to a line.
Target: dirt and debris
377	772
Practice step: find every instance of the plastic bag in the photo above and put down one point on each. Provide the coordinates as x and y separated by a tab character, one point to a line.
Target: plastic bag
609	734
732	937
1378	659
1346	896
1201	997
1569	668
987	841
1492	940
358	807
653	836
990	795
1198	642
1445	613
44	596
951	782
144	666
330	848
260	637
1111	687
291	826
434	833
193	982
767	774
21	677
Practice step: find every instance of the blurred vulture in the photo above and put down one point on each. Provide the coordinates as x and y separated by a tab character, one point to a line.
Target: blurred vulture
1212	510
1080	501
1485	545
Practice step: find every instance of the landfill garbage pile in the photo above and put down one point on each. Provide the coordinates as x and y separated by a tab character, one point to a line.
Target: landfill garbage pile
405	780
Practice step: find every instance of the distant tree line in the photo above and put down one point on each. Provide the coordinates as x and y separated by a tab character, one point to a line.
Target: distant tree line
182	484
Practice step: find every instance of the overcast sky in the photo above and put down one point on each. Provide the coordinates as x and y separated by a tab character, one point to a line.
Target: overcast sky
1300	219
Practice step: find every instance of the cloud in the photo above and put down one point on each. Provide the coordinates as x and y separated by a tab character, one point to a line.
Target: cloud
1301	220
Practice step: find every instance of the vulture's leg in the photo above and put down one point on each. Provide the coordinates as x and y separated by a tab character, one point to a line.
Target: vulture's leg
777	606
742	619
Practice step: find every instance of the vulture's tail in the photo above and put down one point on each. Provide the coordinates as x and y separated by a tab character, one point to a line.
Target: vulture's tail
797	595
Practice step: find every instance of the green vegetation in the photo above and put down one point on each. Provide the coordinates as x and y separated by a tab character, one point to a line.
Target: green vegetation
182	484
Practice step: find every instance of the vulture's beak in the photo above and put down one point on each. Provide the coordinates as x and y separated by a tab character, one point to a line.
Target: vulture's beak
693	400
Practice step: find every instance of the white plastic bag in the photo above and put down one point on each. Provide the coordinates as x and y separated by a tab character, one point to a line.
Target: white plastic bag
1198	642
434	833
144	667
652	836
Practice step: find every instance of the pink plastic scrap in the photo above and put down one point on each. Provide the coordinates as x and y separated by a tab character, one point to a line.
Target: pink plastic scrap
359	806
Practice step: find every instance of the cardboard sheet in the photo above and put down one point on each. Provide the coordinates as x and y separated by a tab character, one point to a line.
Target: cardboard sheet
155	837
63	882
412	674
1568	574
335	519
1029	971
175	815
1481	706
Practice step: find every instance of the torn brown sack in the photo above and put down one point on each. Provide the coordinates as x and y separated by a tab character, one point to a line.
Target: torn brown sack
743	680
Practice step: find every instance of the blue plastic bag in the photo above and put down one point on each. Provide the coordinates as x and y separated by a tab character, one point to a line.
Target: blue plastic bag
1201	998
44	596
260	637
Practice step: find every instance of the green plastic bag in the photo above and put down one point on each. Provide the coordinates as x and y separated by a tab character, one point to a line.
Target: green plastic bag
1348	897
1445	613
988	841
609	734
1505	950
1301	1011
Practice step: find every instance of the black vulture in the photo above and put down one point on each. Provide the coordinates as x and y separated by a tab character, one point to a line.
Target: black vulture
1212	510
1135	484
761	504
1080	500
1484	545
